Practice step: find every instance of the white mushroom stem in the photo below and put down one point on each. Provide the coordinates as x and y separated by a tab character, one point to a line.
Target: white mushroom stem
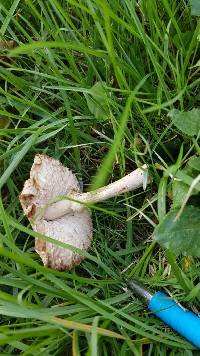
128	183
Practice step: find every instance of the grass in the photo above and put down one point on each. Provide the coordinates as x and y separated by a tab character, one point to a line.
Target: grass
145	54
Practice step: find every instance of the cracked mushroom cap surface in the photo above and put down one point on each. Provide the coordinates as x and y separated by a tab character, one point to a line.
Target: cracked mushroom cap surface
49	179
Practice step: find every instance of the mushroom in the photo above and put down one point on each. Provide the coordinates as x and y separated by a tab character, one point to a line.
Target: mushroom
68	219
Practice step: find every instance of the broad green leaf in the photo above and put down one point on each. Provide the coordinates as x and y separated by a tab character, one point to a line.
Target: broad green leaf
186	121
182	236
179	187
97	101
195	7
186	39
194	163
179	191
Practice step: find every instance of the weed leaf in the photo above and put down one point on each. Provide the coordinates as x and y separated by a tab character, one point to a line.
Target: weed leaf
195	7
182	236
180	187
97	101
188	121
179	191
194	163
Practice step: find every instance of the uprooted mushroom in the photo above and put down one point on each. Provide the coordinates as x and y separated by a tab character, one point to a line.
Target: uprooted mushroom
52	201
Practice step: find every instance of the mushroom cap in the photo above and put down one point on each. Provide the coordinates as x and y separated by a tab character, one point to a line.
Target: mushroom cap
48	180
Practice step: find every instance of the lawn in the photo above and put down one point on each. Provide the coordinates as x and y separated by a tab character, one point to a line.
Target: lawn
105	87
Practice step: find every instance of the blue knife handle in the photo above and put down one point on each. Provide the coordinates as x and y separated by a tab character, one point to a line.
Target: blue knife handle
185	322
